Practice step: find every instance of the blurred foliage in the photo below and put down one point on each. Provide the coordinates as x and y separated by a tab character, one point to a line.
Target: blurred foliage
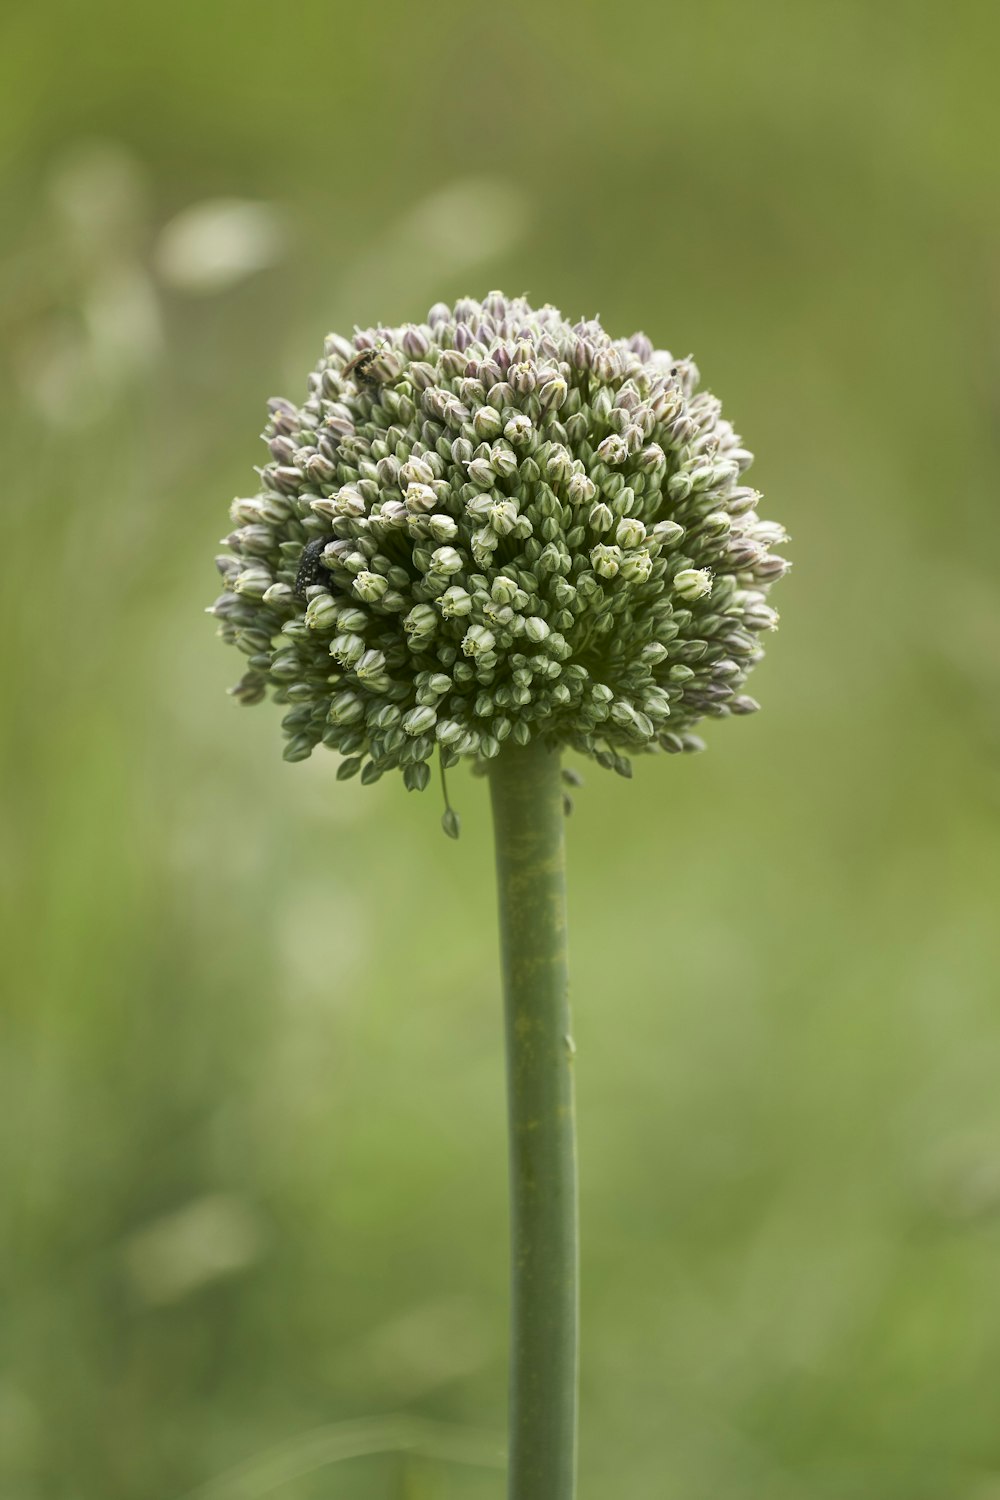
254	1219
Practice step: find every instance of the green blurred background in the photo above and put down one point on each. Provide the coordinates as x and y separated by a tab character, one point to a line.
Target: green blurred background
253	1180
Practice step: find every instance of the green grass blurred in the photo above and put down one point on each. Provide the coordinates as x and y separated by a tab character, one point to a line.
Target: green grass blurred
254	1180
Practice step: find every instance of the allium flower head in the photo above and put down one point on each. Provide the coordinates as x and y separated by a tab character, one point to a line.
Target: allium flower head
497	525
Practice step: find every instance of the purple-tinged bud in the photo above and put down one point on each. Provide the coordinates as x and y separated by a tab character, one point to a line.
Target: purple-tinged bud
283	449
667	533
742	500
415	342
761	617
521	378
651	458
583	354
770	568
613	450
607	365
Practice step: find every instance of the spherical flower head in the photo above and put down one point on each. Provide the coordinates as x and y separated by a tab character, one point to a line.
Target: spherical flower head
491	527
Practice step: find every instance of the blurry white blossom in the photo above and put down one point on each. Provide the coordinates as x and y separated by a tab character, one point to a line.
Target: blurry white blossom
210	1237
213	245
85	307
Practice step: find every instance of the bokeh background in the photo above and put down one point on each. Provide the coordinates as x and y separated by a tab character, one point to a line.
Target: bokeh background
253	1175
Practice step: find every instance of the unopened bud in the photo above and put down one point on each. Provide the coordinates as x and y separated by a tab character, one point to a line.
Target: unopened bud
605	560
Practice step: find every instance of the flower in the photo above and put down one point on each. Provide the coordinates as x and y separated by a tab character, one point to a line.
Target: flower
496	525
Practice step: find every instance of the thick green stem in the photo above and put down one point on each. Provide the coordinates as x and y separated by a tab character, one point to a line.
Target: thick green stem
531	878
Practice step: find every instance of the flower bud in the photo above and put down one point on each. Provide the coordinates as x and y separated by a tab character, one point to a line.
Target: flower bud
519	430
613	450
347	649
346	708
693	583
502	517
552	395
415	342
419	498
416	777
447	560
630	532
521	378
455	602
605	560
370	587
321	613
420	621
442	528
651	458
667	533
478	640
487	423
581	489
637	567
419	720
481	474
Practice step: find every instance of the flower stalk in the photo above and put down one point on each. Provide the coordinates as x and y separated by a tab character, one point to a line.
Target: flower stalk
527	799
489	537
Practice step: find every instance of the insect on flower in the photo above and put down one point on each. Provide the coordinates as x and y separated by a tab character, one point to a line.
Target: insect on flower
361	366
310	567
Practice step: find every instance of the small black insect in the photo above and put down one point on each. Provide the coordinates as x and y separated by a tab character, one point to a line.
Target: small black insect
310	567
361	367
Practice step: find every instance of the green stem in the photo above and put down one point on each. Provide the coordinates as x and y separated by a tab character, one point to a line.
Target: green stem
531	879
